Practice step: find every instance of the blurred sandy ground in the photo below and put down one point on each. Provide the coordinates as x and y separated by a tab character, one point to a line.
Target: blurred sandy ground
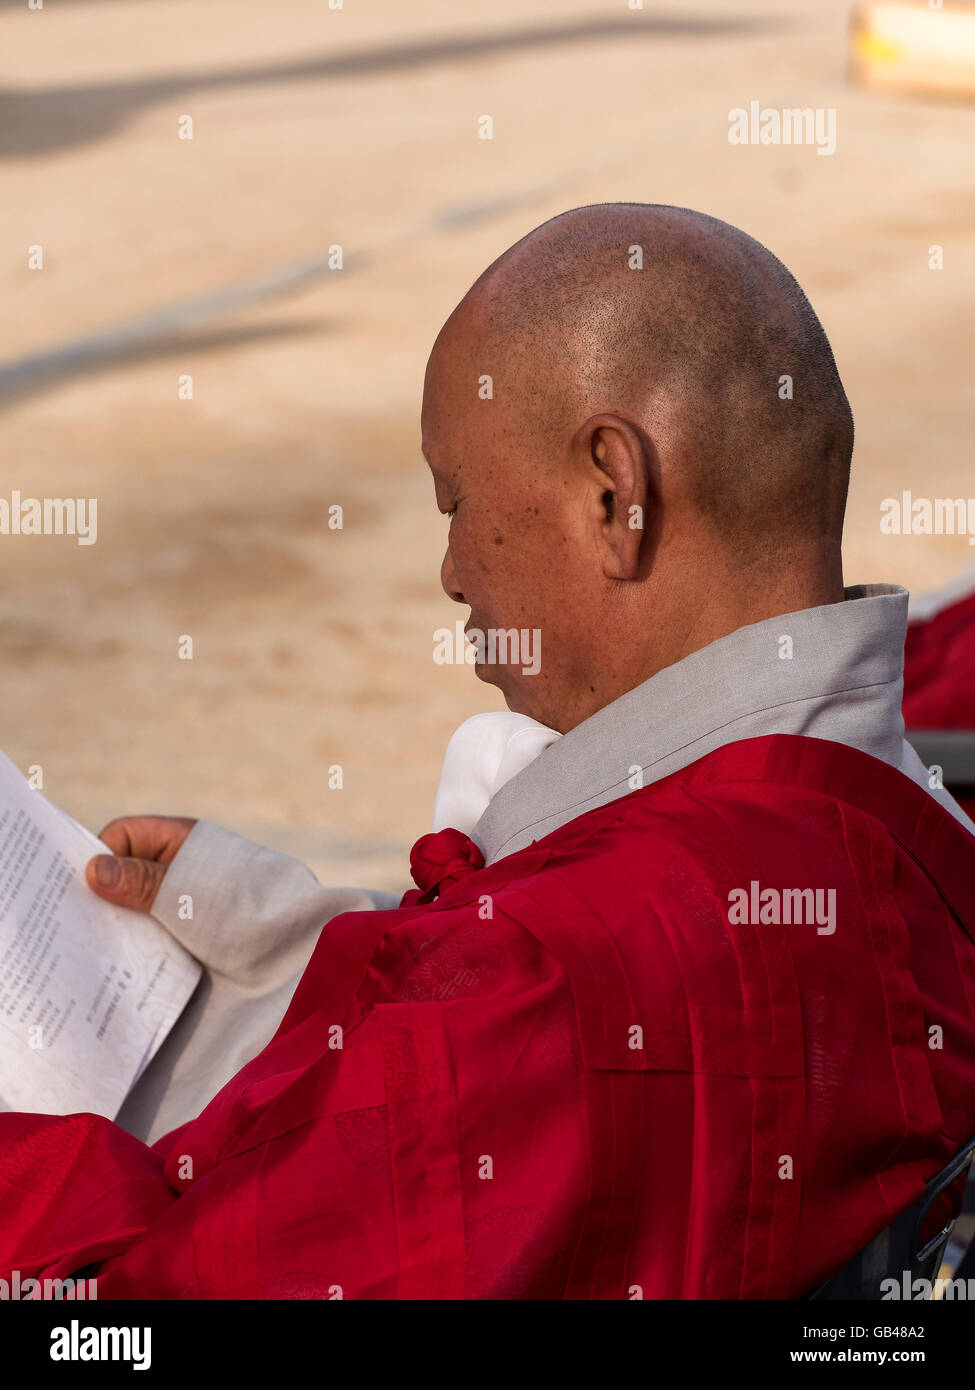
358	127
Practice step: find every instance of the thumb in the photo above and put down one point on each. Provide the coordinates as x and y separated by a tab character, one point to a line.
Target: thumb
126	882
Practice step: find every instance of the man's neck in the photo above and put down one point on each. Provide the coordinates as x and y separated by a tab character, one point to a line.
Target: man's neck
833	672
697	627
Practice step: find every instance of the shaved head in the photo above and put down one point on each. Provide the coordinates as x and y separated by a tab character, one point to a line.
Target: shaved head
695	343
671	357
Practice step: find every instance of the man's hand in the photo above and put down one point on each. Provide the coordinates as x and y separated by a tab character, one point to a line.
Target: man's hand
142	847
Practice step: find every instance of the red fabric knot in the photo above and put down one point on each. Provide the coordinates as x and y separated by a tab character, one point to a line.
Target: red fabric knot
441	858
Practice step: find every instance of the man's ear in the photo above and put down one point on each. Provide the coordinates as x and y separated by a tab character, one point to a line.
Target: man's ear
617	455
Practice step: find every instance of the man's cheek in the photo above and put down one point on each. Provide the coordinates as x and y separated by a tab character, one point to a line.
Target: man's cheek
475	566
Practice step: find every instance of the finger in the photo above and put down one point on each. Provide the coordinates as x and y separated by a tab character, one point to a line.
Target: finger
126	882
146	837
116	835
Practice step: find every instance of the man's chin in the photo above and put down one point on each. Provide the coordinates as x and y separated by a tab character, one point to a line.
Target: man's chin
512	690
492	674
486	673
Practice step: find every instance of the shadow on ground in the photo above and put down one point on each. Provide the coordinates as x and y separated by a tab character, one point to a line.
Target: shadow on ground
45	119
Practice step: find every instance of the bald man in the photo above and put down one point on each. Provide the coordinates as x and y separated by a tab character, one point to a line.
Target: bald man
683	1001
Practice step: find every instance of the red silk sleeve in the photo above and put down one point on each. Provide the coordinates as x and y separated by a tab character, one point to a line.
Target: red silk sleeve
74	1190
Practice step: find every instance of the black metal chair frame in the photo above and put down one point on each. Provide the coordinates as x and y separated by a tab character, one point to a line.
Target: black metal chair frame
895	1251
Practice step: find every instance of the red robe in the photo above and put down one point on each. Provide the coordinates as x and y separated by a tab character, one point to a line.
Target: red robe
570	1076
939	676
939	669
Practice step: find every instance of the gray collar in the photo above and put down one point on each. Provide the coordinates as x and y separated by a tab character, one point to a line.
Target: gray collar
843	682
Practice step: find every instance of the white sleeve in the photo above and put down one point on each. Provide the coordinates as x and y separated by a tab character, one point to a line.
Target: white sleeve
256	914
252	917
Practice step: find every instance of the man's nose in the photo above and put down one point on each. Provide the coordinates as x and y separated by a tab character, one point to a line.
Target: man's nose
448	578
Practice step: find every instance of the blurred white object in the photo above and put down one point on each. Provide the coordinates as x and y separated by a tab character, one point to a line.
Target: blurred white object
915	45
926	605
482	755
